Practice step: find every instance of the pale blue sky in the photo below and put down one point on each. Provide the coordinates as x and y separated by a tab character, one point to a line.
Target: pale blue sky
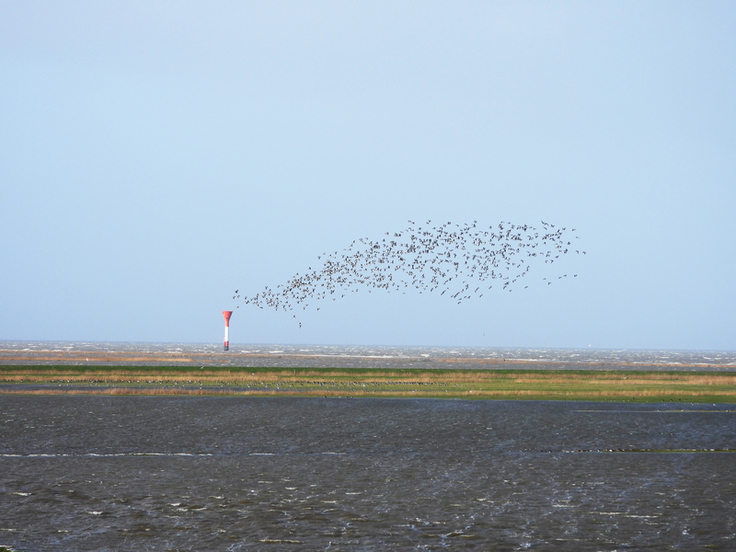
156	156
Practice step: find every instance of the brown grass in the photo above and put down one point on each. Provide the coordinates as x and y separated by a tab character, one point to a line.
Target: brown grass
578	385
18	374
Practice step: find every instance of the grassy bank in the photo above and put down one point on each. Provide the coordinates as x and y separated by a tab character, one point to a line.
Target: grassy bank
588	385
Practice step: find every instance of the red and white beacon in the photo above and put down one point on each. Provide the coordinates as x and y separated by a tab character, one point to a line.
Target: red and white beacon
227	315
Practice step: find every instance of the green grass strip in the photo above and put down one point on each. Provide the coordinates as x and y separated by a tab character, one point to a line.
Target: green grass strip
506	384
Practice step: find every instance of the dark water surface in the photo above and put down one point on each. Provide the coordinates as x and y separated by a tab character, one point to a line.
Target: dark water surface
170	473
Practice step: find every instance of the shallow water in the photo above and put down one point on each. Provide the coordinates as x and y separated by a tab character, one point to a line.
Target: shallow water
29	352
171	473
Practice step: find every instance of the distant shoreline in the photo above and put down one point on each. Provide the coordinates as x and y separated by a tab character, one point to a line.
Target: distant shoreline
287	360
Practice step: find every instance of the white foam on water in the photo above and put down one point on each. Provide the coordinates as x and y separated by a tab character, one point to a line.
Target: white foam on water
531	355
626	514
104	455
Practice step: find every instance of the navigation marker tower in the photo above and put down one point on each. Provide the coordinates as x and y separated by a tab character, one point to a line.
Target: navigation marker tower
227	315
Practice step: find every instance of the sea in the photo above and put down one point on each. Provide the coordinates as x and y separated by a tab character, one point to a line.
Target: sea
61	352
114	473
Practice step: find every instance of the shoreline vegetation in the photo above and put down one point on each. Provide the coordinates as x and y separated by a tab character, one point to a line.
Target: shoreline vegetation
498	384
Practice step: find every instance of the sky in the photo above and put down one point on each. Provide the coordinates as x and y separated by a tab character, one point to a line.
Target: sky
157	156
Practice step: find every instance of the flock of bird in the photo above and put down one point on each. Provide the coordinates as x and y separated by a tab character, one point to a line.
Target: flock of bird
455	260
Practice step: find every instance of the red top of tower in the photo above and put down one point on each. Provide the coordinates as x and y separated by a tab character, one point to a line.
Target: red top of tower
227	315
